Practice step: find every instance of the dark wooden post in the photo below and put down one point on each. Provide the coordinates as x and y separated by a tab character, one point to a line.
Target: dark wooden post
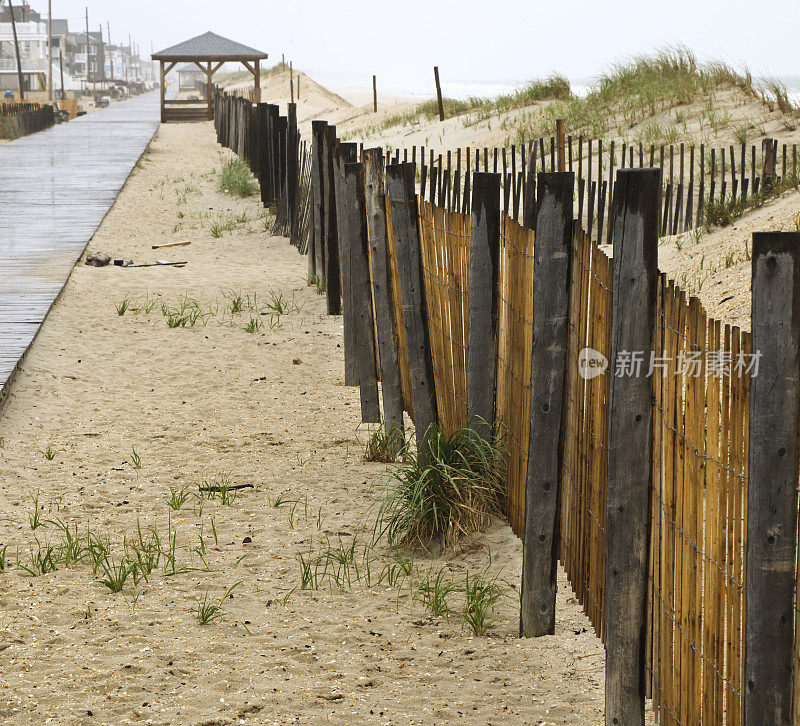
438	93
383	292
769	164
630	443
405	224
484	268
292	139
360	295
345	154
316	260
333	289
374	94
772	489
551	299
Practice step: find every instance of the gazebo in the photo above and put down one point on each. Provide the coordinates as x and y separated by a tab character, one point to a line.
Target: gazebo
209	52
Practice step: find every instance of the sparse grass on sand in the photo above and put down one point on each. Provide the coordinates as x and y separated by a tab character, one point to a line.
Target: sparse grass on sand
236	179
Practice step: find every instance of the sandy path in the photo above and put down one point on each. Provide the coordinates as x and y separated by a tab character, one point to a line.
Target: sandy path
264	408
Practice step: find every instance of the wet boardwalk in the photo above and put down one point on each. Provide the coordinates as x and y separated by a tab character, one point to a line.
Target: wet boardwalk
56	187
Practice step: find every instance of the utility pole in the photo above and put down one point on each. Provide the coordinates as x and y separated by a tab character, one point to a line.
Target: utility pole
50	50
16	48
87	47
61	64
110	52
101	57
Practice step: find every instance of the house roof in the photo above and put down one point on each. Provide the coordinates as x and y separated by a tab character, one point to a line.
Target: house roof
60	27
209	46
189	68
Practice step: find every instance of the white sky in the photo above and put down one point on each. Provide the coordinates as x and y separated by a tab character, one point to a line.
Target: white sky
489	41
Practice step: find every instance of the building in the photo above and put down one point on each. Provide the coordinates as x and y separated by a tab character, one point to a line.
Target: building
102	67
32	37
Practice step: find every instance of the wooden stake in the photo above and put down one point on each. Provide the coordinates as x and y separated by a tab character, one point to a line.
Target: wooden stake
374	94
484	268
405	224
438	91
772	488
383	292
551	296
630	443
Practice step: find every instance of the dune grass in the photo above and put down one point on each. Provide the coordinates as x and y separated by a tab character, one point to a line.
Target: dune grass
237	179
447	489
640	88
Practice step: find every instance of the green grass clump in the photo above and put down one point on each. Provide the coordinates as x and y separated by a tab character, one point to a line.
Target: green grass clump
480	598
722	212
237	179
449	488
384	445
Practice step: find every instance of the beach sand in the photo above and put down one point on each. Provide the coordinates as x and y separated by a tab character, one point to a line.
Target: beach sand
265	408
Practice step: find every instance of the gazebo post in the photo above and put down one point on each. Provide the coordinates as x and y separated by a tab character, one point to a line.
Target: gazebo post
163	91
257	75
208	93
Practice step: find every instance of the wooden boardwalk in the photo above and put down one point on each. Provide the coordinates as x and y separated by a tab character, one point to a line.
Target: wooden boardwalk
56	187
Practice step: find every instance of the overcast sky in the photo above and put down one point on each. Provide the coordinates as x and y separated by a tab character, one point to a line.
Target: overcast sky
489	41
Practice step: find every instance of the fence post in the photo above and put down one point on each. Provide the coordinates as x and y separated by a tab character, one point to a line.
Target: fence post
391	389
359	296
333	289
772	488
551	303
405	224
292	152
316	266
439	102
484	267
345	154
630	442
769	164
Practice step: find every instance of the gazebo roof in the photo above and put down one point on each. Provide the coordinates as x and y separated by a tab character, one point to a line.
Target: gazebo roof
209	47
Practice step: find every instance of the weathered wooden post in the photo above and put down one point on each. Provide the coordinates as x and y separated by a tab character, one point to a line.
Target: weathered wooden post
551	303
346	153
374	94
439	101
630	443
316	260
360	294
773	471
484	271
292	139
333	290
405	224
391	390
769	162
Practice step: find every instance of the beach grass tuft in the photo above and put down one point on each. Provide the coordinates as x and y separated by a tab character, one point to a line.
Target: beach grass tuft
237	179
449	488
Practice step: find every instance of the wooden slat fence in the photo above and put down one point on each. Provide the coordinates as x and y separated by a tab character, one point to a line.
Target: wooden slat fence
693	656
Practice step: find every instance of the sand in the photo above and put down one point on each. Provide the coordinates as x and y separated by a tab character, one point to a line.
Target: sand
267	409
